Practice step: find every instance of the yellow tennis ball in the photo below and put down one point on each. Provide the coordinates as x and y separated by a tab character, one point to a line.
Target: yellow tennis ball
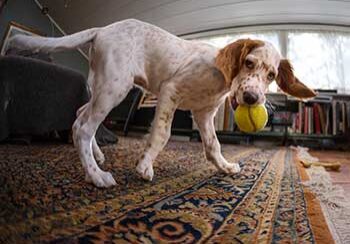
251	118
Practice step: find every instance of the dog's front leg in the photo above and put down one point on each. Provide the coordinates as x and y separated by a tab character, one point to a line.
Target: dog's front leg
168	101
205	122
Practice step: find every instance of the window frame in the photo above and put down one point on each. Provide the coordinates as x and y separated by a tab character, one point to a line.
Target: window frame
282	31
267	27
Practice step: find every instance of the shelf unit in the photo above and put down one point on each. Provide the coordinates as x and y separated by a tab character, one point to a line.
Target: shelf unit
338	114
282	111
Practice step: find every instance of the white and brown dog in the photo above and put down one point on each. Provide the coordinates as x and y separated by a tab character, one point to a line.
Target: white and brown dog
183	74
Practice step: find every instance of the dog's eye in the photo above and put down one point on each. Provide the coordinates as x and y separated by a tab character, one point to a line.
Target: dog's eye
249	64
271	76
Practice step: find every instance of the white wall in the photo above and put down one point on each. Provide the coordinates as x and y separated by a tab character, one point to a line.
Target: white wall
26	12
186	16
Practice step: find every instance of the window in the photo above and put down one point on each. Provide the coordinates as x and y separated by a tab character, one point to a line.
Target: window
221	41
321	58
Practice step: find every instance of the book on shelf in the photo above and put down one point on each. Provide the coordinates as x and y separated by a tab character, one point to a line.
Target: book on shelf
335	118
317	119
311	121
343	117
327	117
300	117
322	118
306	117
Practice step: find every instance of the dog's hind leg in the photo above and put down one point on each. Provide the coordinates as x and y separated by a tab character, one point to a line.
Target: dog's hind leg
98	154
106	95
80	119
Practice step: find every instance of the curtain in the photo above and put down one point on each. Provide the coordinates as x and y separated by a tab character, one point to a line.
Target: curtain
321	59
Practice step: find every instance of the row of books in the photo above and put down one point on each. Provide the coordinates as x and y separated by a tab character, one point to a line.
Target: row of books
312	119
319	117
322	118
341	117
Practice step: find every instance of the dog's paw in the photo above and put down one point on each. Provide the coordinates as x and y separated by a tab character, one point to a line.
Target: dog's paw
230	168
101	179
145	170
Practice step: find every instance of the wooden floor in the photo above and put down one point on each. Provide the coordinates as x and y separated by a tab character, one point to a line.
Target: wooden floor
343	176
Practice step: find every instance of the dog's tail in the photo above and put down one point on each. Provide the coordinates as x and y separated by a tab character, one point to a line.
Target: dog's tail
53	44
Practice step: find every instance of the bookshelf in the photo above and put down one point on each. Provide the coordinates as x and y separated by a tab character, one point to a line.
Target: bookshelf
321	119
326	115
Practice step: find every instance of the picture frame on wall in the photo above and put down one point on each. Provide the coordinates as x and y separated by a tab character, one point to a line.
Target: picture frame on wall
14	28
148	100
2	4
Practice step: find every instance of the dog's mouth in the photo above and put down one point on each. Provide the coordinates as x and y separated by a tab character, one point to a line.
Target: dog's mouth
234	103
237	100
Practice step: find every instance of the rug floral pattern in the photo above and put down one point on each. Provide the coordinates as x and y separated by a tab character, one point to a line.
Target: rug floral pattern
44	197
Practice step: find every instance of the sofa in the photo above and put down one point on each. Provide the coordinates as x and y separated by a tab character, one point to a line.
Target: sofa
38	97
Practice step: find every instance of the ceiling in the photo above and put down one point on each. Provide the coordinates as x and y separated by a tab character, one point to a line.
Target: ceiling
187	16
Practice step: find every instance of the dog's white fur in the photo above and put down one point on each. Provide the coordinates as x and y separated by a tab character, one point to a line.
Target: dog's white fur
182	73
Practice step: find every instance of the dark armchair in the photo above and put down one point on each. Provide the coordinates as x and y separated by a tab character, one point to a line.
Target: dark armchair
38	97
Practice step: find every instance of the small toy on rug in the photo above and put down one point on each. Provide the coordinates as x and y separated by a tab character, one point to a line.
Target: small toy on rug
251	118
307	160
327	165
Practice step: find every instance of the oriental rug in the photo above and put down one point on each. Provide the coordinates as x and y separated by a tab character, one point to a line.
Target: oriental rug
44	198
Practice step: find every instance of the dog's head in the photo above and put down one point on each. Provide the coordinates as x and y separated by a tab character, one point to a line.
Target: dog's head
249	66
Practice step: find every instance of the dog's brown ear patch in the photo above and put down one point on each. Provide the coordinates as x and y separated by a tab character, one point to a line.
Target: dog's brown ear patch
291	84
231	58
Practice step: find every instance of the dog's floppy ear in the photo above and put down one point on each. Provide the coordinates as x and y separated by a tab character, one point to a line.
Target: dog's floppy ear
291	84
231	58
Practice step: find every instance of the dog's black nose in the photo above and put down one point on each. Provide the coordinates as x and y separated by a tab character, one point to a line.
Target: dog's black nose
250	97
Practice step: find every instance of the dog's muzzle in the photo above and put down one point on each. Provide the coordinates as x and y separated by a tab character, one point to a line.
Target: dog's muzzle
234	103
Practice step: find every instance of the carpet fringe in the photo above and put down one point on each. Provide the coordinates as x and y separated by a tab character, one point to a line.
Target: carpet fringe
320	182
321	185
335	204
